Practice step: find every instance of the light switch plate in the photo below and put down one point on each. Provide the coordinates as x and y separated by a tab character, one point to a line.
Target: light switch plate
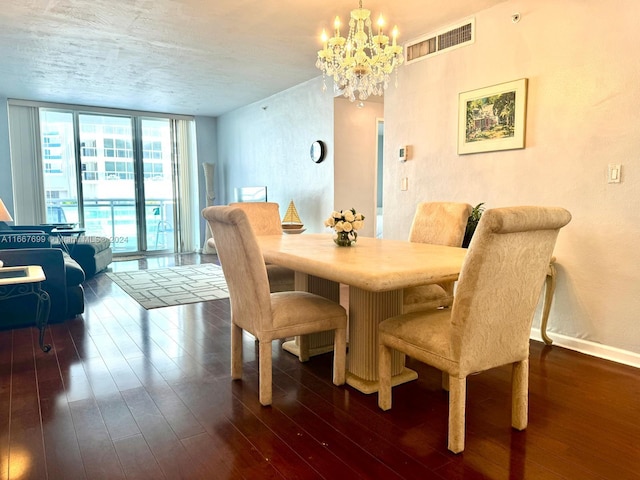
614	173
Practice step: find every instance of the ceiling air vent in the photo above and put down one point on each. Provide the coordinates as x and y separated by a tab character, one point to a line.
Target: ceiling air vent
446	39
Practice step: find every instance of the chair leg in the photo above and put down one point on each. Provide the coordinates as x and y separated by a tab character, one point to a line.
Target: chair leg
384	377
520	394
236	352
303	348
339	356
265	361
457	400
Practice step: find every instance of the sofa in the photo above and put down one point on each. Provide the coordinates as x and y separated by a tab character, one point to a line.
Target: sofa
93	253
64	277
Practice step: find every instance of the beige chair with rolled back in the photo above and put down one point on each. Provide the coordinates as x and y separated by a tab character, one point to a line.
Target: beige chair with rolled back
438	223
489	323
264	218
267	316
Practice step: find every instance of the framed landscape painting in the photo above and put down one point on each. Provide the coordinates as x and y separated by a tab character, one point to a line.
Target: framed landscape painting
492	118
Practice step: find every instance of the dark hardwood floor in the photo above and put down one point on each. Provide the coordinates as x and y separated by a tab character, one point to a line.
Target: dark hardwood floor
137	394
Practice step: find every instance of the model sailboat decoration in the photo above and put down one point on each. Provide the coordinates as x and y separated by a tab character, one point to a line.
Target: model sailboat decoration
291	222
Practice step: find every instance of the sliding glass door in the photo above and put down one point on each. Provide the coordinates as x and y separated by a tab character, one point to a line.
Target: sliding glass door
109	180
125	187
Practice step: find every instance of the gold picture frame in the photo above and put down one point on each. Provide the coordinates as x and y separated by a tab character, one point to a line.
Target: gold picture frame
492	118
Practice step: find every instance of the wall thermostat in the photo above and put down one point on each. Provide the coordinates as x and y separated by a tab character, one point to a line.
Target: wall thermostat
403	153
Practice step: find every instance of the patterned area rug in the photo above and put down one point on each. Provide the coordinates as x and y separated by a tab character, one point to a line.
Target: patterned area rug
165	287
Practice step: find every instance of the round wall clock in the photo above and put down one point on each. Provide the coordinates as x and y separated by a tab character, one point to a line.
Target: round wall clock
318	151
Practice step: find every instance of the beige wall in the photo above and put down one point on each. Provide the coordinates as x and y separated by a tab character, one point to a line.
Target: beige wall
583	112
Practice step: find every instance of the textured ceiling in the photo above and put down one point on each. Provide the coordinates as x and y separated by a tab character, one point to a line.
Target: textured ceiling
182	56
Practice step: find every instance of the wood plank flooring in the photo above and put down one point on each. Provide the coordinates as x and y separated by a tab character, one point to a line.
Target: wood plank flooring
137	394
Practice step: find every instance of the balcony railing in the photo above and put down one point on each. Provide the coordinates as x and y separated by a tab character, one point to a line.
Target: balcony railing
116	219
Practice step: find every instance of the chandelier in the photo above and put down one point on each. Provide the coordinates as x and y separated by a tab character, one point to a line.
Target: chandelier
362	62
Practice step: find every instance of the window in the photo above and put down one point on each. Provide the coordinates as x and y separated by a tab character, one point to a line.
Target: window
153	170
123	149
88	128
116	130
152	150
51	147
52	167
118	170
116	147
89	148
89	170
109	150
93	172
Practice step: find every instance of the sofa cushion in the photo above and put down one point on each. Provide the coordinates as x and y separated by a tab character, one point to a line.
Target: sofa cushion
98	244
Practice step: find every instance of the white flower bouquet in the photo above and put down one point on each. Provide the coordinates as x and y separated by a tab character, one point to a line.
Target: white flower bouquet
345	223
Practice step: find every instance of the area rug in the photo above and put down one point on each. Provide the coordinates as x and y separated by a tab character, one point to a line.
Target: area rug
165	287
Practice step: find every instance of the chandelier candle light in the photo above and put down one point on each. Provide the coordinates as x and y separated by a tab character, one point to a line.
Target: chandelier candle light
362	62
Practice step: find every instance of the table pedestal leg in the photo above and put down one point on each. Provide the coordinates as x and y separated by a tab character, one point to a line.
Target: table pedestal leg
366	310
306	346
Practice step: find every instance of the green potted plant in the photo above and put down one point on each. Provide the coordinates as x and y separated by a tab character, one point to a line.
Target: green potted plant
472	223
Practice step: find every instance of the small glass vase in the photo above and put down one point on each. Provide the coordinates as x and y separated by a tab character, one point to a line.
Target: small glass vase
345	239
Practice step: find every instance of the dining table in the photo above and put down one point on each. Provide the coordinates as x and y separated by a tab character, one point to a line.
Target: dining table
376	272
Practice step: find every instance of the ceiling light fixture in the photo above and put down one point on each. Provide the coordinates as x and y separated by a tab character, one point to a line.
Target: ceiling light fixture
362	62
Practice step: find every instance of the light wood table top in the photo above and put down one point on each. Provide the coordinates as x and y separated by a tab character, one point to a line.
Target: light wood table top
18	275
372	264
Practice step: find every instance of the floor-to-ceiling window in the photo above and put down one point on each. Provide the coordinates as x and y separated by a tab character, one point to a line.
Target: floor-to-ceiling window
112	175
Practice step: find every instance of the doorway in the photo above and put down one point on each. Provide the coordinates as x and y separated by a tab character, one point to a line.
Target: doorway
357	155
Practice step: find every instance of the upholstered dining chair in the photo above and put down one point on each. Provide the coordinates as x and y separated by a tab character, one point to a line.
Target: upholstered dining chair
490	321
267	316
438	223
264	218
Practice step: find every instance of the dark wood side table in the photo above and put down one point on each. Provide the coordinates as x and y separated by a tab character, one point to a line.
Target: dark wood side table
23	281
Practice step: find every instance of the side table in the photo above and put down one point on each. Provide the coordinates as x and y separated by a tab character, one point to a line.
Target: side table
73	233
550	288
22	281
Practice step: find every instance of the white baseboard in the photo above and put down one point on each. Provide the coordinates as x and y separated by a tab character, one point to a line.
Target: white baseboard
591	348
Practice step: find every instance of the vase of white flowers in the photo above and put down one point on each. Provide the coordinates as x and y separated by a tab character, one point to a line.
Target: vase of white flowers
345	223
